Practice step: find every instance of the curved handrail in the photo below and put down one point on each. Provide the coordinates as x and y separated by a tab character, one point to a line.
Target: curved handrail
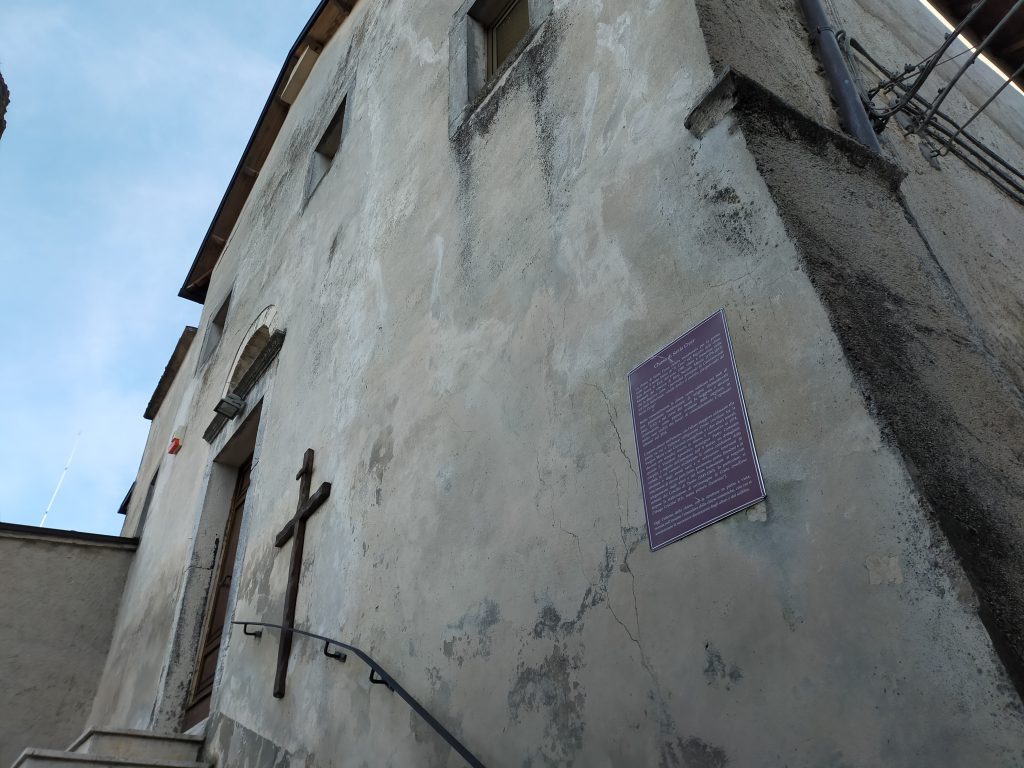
384	679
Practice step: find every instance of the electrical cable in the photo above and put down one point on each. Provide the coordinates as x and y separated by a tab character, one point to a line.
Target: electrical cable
933	62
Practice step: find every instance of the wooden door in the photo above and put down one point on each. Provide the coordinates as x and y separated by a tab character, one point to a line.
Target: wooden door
209	650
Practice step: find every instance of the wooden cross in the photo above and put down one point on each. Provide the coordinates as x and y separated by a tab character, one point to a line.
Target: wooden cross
296	532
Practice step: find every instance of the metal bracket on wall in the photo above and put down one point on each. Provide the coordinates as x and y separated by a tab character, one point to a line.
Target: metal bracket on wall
339	655
248	382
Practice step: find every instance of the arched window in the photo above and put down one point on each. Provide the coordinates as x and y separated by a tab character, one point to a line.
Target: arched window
254	357
260	339
249	354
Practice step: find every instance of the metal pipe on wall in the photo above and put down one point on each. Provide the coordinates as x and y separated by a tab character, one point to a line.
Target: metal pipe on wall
851	110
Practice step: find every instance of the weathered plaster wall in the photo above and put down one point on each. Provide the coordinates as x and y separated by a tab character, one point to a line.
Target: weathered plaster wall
461	315
900	32
974	229
769	40
58	599
954	415
131	682
956	420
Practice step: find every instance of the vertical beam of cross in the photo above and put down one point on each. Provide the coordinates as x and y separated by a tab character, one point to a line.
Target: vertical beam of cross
295	531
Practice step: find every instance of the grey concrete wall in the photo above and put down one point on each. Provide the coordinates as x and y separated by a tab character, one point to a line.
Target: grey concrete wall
974	230
954	248
461	315
128	692
59	595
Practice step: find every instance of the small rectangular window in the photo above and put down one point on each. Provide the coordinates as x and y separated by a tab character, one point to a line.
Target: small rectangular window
331	140
214	332
483	40
504	35
326	149
139	526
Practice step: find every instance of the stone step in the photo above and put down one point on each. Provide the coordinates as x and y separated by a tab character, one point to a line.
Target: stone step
137	744
53	758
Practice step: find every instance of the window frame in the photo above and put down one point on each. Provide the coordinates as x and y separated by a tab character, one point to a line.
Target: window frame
323	156
214	333
471	77
140	523
493	65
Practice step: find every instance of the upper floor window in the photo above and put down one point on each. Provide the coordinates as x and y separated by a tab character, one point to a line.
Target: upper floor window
504	34
147	502
484	39
213	332
327	149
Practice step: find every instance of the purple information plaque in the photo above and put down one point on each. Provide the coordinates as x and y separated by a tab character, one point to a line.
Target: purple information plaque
693	441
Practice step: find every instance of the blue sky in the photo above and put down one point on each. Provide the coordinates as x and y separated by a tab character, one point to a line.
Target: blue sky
125	124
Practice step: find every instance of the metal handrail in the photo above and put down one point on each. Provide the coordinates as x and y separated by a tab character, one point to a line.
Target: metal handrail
382	678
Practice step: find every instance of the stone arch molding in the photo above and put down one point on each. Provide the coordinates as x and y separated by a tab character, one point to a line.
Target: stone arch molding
254	341
257	352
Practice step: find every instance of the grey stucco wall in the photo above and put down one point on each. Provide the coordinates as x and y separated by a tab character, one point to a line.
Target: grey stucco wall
128	693
58	600
945	271
974	229
461	315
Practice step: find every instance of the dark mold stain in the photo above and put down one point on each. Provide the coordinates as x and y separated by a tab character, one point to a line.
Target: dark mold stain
471	635
381	454
732	217
551	689
918	358
526	70
725	195
716	672
549	621
230	743
692	753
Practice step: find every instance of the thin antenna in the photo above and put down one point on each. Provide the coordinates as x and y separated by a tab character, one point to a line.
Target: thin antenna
60	482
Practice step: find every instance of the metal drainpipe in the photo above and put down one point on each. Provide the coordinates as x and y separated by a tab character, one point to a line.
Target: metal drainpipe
851	110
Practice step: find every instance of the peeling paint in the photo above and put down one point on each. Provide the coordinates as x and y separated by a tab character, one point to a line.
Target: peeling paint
716	672
552	690
471	636
692	752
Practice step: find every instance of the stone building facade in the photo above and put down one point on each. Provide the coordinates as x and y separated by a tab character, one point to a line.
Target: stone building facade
435	267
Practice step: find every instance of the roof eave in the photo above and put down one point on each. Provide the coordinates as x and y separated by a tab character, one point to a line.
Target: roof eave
322	25
170	371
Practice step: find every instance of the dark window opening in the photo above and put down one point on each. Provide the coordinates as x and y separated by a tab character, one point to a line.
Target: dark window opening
505	34
214	332
145	506
484	39
327	149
